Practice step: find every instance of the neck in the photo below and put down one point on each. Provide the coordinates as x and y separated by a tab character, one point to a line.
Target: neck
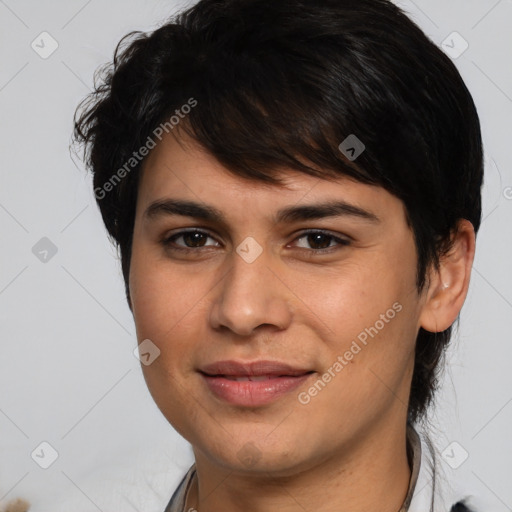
373	473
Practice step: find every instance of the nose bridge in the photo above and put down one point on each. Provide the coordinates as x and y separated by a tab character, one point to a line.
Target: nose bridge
250	295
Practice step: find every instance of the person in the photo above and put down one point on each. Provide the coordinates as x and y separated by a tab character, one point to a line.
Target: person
295	190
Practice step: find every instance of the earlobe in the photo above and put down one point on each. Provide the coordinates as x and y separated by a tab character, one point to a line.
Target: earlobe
449	285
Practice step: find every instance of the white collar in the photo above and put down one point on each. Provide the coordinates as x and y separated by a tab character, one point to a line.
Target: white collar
435	486
421	496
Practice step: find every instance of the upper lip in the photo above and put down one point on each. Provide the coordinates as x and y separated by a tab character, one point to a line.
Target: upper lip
254	368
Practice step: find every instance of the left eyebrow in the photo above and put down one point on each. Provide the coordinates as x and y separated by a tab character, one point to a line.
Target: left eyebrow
323	210
289	214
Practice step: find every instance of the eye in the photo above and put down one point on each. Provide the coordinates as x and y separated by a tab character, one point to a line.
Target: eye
193	239
320	241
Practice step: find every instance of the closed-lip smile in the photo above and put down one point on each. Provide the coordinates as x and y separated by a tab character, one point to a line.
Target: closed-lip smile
252	384
257	368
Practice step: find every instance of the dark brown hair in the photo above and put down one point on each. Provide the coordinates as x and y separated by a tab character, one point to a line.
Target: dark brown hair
280	84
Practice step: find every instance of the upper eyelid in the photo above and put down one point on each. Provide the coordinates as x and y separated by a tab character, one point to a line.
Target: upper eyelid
186	231
342	238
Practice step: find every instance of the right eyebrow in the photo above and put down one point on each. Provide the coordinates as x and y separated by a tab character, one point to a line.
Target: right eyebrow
187	208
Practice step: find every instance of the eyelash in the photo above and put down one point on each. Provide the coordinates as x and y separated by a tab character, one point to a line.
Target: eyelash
169	241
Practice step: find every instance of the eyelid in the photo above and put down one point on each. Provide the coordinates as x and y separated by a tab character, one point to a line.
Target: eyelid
167	238
341	239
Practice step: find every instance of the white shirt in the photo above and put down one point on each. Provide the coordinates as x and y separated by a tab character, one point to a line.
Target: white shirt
421	495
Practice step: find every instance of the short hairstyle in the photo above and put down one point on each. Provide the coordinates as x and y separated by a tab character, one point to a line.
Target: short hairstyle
280	84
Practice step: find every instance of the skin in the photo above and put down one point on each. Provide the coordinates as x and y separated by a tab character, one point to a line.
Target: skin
346	449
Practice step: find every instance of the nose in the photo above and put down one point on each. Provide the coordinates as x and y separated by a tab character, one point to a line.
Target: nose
251	295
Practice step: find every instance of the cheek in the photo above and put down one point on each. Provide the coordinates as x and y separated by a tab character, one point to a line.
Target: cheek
352	297
163	305
162	295
367	315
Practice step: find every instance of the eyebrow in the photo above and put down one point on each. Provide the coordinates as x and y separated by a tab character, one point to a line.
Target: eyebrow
186	208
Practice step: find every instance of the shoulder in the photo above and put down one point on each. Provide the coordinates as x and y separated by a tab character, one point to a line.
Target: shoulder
460	506
439	487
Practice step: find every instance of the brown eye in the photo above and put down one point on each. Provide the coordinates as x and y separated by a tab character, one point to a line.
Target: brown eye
191	240
319	241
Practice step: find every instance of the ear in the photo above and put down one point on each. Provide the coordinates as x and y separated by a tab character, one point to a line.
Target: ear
449	285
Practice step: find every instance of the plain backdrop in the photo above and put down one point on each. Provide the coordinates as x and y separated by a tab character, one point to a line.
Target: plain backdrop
68	376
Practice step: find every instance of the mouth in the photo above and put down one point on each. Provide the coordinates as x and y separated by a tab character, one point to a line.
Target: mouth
252	384
261	368
255	378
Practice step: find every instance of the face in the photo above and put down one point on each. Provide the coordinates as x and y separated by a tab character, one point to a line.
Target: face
326	291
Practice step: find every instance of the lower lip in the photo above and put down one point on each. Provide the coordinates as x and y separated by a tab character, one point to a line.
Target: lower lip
253	393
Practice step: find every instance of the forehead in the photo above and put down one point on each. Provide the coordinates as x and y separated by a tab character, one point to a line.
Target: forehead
180	168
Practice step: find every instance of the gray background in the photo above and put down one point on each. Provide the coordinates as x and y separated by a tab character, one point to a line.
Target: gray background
68	375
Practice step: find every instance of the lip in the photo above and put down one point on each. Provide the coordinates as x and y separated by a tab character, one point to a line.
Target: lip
255	368
274	380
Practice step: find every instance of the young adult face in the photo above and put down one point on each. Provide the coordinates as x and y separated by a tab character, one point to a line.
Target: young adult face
200	301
